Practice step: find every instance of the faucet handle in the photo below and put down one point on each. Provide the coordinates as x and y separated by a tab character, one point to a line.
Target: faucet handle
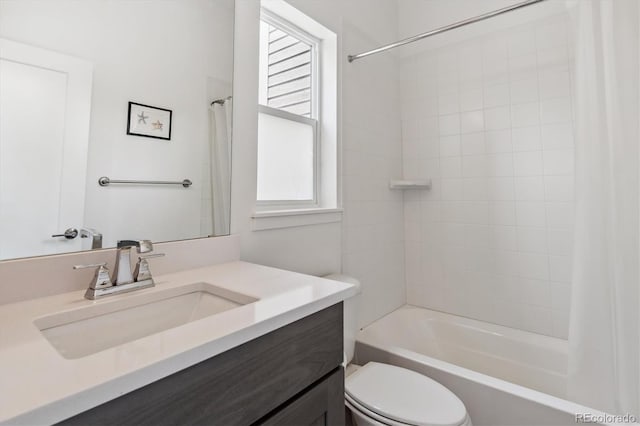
142	271
101	278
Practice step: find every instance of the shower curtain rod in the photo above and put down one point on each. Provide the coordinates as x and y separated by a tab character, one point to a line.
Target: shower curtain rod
449	27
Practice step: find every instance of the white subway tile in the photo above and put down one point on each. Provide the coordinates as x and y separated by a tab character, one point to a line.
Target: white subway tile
529	188
551	34
477	235
535	266
453	234
502	213
454	211
450	146
499	141
472	121
536	292
451	189
496	95
560	268
526	114
531	214
451	167
559	188
558	162
501	188
497	118
474	189
448	103
526	139
560	241
532	240
503	237
522	43
522	66
560	296
557	136
449	124
555	84
474	165
473	143
500	164
538	320
555	58
527	163
555	110
560	215
477	212
471	100
524	91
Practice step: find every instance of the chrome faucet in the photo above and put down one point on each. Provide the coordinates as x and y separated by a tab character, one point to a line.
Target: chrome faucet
122	280
122	271
96	237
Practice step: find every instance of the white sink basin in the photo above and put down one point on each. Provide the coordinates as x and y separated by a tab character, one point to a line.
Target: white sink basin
106	324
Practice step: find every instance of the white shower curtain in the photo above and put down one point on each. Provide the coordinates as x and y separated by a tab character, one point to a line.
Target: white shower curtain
604	331
220	163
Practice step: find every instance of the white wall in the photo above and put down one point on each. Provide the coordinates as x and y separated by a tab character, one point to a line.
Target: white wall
368	243
165	54
490	121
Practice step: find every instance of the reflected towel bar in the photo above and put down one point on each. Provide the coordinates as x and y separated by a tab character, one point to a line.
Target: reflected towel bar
105	181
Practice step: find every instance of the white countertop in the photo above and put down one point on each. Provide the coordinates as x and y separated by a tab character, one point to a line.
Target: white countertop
39	386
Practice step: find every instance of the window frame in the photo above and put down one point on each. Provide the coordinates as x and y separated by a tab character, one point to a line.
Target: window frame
315	117
291	204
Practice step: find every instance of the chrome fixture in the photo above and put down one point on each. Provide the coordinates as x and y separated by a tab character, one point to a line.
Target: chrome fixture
96	237
449	27
122	271
123	280
100	282
69	234
142	271
105	181
221	101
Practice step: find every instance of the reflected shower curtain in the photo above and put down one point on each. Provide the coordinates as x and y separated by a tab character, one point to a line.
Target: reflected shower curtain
220	163
604	331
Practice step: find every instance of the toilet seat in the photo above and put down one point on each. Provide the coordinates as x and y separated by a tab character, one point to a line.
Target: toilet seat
397	396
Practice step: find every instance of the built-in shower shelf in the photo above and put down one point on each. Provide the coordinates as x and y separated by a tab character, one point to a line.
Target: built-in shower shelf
410	184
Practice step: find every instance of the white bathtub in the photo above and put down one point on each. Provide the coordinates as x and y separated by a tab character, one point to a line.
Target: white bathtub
504	376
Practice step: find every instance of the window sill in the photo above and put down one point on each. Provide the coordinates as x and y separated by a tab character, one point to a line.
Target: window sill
274	219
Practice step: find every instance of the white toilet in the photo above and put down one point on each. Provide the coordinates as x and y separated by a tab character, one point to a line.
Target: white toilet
383	394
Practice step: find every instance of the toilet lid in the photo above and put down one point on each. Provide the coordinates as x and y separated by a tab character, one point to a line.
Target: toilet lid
404	396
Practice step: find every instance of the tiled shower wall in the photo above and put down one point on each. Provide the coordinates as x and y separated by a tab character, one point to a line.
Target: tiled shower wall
490	121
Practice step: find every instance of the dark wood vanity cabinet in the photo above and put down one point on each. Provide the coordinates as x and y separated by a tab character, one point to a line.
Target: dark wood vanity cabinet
290	376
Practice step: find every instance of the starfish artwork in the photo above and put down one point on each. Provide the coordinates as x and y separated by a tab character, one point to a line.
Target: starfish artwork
142	118
157	125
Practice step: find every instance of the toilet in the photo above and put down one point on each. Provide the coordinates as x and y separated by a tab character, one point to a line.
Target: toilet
383	394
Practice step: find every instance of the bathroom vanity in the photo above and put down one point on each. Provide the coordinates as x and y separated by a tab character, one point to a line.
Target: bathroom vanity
260	346
291	376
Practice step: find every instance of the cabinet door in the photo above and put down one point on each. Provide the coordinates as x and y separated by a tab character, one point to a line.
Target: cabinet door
322	405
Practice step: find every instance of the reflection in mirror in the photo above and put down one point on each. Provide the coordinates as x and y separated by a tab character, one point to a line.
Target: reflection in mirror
134	91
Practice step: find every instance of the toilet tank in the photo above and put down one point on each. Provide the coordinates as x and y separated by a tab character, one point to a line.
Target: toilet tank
350	307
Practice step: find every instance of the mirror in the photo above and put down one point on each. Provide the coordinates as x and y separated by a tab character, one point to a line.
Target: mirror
134	94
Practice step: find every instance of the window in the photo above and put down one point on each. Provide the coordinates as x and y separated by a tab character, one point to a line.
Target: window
288	122
298	125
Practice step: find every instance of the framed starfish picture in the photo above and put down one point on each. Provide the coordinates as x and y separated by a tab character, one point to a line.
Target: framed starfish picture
149	121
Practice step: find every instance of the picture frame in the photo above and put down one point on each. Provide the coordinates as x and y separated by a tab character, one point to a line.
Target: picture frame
149	121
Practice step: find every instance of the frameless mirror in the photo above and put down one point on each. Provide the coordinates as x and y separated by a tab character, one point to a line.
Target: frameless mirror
115	122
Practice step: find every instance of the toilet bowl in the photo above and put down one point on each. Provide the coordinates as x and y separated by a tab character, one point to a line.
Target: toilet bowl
383	394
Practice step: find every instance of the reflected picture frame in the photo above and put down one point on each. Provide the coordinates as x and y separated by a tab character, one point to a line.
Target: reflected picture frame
149	121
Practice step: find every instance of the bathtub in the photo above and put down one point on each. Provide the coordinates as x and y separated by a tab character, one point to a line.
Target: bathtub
503	375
